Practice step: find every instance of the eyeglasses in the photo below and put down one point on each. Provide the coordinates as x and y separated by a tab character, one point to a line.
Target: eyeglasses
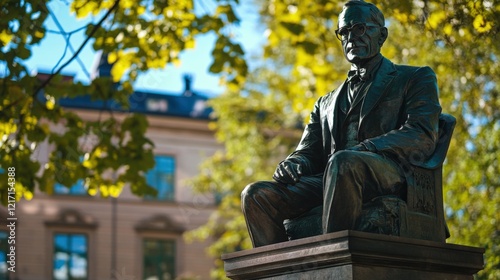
358	29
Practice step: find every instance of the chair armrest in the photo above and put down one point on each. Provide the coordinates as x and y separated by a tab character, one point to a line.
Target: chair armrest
446	127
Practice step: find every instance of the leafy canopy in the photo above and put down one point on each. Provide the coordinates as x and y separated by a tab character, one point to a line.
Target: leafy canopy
111	151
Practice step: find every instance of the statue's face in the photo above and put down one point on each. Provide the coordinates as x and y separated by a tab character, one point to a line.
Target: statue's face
359	48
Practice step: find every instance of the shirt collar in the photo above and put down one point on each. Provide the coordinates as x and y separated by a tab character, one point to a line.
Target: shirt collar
367	71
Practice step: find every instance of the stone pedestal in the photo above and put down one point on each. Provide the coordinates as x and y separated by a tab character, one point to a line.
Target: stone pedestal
355	255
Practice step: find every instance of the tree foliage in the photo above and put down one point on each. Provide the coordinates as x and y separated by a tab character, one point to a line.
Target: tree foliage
303	60
112	151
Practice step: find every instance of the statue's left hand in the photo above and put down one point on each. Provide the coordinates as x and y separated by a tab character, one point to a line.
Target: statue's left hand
287	173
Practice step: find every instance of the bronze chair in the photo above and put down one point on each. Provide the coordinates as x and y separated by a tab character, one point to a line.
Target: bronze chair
418	215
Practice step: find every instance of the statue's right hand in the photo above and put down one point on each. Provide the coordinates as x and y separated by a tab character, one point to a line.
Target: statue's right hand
287	173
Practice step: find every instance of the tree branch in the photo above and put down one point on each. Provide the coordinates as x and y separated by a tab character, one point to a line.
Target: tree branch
46	82
68	43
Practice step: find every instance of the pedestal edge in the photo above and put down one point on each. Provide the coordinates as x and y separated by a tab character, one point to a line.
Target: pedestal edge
352	248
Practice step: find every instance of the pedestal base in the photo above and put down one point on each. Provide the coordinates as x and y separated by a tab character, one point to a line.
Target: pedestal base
355	255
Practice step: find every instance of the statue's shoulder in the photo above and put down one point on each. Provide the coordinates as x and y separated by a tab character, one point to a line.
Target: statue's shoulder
328	98
413	70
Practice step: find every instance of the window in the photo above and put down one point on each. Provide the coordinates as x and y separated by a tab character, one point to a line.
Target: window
70	256
159	259
161	177
4	247
76	189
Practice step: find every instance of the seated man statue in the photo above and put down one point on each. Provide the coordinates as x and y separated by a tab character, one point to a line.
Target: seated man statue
360	141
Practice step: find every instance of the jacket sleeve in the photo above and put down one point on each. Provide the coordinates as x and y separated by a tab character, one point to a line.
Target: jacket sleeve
309	152
416	139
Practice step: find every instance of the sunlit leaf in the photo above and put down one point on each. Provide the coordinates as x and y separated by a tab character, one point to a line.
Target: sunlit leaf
481	25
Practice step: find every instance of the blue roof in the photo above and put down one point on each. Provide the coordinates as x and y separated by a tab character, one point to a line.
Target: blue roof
192	106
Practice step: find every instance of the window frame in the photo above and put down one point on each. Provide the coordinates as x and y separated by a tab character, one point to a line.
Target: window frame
172	196
80	183
71	234
88	230
174	256
7	274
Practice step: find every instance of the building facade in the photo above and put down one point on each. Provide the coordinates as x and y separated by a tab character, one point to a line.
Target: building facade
71	235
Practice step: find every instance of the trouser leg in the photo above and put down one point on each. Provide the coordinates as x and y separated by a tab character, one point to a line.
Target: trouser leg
267	204
352	178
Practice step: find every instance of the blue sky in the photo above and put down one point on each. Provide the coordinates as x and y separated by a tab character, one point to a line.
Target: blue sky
195	62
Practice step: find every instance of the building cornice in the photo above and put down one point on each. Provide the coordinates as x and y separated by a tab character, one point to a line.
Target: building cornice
162	122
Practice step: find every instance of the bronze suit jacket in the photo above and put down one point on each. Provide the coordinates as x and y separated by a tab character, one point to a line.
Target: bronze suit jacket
399	119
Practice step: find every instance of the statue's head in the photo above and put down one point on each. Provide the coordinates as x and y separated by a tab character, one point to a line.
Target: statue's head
361	31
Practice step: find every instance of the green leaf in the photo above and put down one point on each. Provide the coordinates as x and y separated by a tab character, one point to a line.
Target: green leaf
294	28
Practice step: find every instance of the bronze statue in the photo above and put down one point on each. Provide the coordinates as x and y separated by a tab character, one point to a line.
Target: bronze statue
362	141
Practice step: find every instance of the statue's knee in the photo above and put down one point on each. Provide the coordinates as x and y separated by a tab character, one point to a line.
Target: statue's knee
344	157
250	193
347	155
348	164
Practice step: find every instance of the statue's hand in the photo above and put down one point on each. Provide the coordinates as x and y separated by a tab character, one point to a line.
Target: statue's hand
287	173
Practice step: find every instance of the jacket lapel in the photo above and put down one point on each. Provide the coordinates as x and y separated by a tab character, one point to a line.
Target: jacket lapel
332	109
377	89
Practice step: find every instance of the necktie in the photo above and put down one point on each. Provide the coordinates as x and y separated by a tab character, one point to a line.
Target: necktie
354	83
353	76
